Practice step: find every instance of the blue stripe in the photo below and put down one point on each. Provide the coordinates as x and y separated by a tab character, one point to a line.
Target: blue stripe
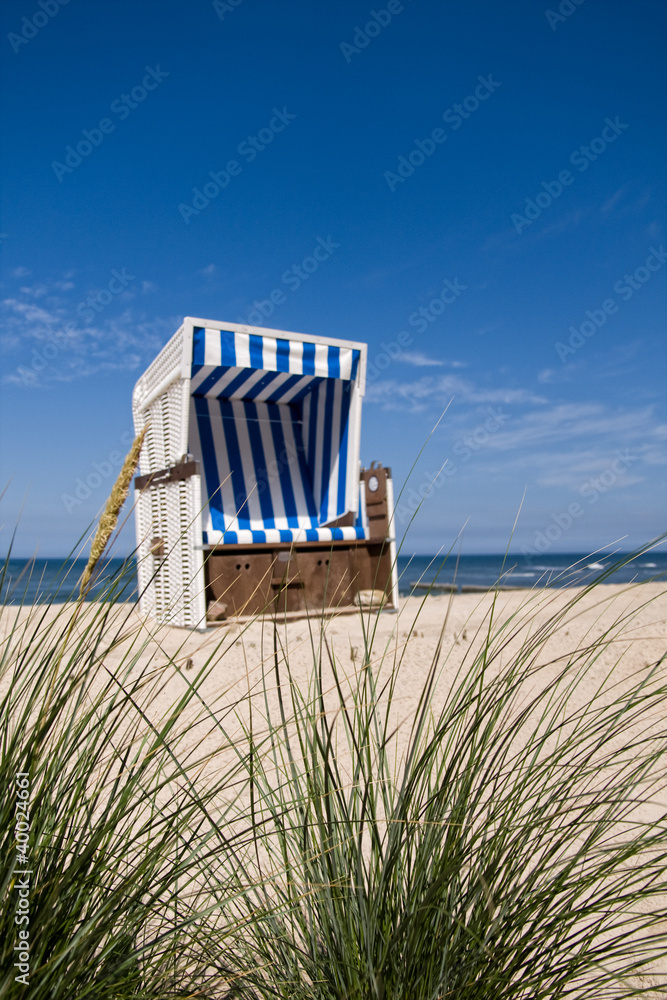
342	447
282	355
325	444
234	453
228	348
210	464
304	471
283	389
266	380
198	346
302	393
237	383
286	535
256	343
286	487
333	362
228	354
308	359
259	464
210	380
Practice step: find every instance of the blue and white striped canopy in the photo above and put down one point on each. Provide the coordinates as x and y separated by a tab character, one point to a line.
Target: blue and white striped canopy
269	421
233	365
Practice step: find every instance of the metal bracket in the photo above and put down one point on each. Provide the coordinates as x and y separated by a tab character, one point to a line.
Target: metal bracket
173	474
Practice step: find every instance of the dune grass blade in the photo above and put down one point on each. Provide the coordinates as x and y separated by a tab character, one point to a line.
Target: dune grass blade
519	851
109	518
118	824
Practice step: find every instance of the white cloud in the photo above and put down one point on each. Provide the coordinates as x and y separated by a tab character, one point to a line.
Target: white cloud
420	360
47	342
416	396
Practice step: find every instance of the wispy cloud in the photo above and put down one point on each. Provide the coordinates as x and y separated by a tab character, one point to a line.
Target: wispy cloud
611	203
44	340
420	360
431	391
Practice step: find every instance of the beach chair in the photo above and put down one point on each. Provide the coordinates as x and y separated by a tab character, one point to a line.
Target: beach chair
251	498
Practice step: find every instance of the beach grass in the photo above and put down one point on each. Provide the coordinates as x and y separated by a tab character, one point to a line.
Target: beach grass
508	839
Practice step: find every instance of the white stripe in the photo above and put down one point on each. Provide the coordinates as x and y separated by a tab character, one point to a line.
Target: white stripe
252	506
272	472
225	378
212	349
332	508
272	388
254	376
296	357
244	536
197	379
346	358
296	389
322	360
303	518
269	347
273	535
242	350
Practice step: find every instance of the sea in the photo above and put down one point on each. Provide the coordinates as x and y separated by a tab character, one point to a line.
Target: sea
38	581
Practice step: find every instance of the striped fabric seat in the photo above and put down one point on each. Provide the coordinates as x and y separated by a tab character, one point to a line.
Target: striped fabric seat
269	422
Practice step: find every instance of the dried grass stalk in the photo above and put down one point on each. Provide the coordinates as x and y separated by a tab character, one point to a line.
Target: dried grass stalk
113	507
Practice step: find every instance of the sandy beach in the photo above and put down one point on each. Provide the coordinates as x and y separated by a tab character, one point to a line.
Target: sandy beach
409	639
233	667
232	658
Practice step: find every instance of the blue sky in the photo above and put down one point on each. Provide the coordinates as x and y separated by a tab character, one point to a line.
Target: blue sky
487	179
